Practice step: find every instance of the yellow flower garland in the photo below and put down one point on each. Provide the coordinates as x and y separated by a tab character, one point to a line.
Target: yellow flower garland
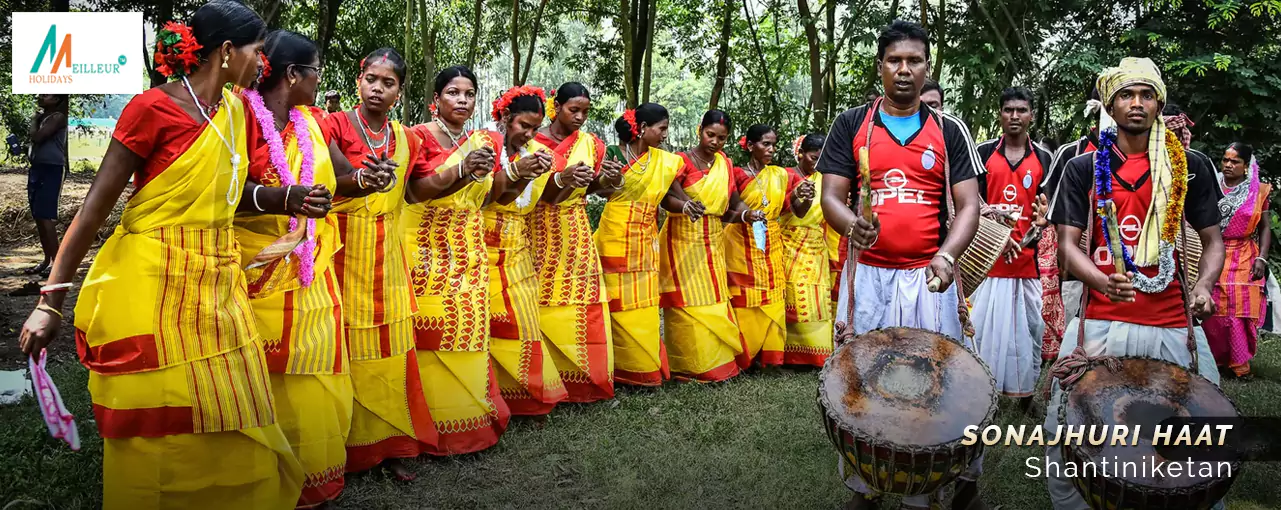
1178	189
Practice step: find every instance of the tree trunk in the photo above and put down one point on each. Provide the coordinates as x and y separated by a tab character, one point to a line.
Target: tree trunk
427	32
649	48
409	38
638	29
327	25
625	29
756	42
940	42
925	16
533	42
515	34
476	29
893	12
722	55
829	72
817	99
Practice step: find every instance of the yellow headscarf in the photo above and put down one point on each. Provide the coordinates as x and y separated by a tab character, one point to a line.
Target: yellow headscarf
1135	71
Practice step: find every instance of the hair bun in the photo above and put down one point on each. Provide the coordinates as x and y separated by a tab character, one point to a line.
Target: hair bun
176	50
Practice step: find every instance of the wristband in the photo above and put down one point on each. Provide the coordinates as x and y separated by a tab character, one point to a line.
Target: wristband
287	189
951	261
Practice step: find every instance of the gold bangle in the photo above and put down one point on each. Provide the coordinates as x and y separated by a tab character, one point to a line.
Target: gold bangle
46	308
951	261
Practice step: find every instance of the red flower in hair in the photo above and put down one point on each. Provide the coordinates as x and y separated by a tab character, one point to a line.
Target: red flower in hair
630	117
505	102
266	67
176	49
742	142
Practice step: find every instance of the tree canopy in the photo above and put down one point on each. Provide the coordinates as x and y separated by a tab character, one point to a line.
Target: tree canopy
794	64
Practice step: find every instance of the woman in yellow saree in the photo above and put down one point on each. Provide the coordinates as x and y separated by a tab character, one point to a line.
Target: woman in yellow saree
627	239
756	268
808	289
699	329
527	379
177	373
571	294
390	419
289	262
449	269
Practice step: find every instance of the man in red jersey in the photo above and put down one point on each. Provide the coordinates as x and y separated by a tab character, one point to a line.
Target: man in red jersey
1143	310
1007	305
915	153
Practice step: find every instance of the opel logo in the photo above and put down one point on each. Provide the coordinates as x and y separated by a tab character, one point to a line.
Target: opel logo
895	178
1130	228
1010	193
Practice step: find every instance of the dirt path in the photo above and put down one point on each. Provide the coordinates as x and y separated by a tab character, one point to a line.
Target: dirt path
20	250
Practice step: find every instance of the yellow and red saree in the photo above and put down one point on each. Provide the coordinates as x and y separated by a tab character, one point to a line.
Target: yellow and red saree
627	239
449	270
527	377
390	415
699	329
164	325
571	295
808	291
755	275
301	326
837	250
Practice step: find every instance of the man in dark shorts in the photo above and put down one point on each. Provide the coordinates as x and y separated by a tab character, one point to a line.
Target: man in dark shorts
48	165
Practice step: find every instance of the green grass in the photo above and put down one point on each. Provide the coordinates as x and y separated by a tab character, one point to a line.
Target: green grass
753	442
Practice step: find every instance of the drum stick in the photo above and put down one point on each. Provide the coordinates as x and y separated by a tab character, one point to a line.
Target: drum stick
1114	236
865	188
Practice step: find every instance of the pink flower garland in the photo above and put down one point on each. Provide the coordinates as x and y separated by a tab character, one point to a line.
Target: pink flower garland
305	251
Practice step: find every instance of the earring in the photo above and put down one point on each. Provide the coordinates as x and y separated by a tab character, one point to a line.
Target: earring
224	60
292	81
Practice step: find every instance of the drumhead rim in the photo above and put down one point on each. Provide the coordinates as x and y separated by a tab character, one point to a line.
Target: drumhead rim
1126	484
825	403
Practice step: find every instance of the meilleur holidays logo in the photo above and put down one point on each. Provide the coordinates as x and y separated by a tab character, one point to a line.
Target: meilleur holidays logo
77	53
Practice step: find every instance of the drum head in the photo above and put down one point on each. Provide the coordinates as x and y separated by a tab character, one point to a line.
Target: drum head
907	386
1144	392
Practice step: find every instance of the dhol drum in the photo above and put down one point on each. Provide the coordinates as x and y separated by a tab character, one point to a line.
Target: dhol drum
895	403
1143	392
977	260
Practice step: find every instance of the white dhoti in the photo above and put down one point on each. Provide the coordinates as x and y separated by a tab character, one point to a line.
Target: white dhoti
1111	338
887	298
1007	328
1071	292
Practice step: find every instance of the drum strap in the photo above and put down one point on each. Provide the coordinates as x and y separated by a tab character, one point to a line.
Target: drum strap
1183	276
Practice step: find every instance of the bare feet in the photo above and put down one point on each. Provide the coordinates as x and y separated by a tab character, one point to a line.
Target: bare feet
399	470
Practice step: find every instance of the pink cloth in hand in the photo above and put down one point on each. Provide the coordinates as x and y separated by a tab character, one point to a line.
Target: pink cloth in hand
62	425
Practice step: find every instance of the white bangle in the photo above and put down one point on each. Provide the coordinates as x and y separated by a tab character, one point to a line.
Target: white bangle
256	206
56	287
951	261
287	190
460	169
1261	259
360	178
742	217
556	179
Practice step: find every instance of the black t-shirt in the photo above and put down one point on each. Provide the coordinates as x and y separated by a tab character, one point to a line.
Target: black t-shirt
1200	207
838	156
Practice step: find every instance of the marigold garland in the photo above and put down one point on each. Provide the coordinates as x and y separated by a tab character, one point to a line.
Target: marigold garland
549	106
503	103
176	49
796	147
1178	188
630	117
